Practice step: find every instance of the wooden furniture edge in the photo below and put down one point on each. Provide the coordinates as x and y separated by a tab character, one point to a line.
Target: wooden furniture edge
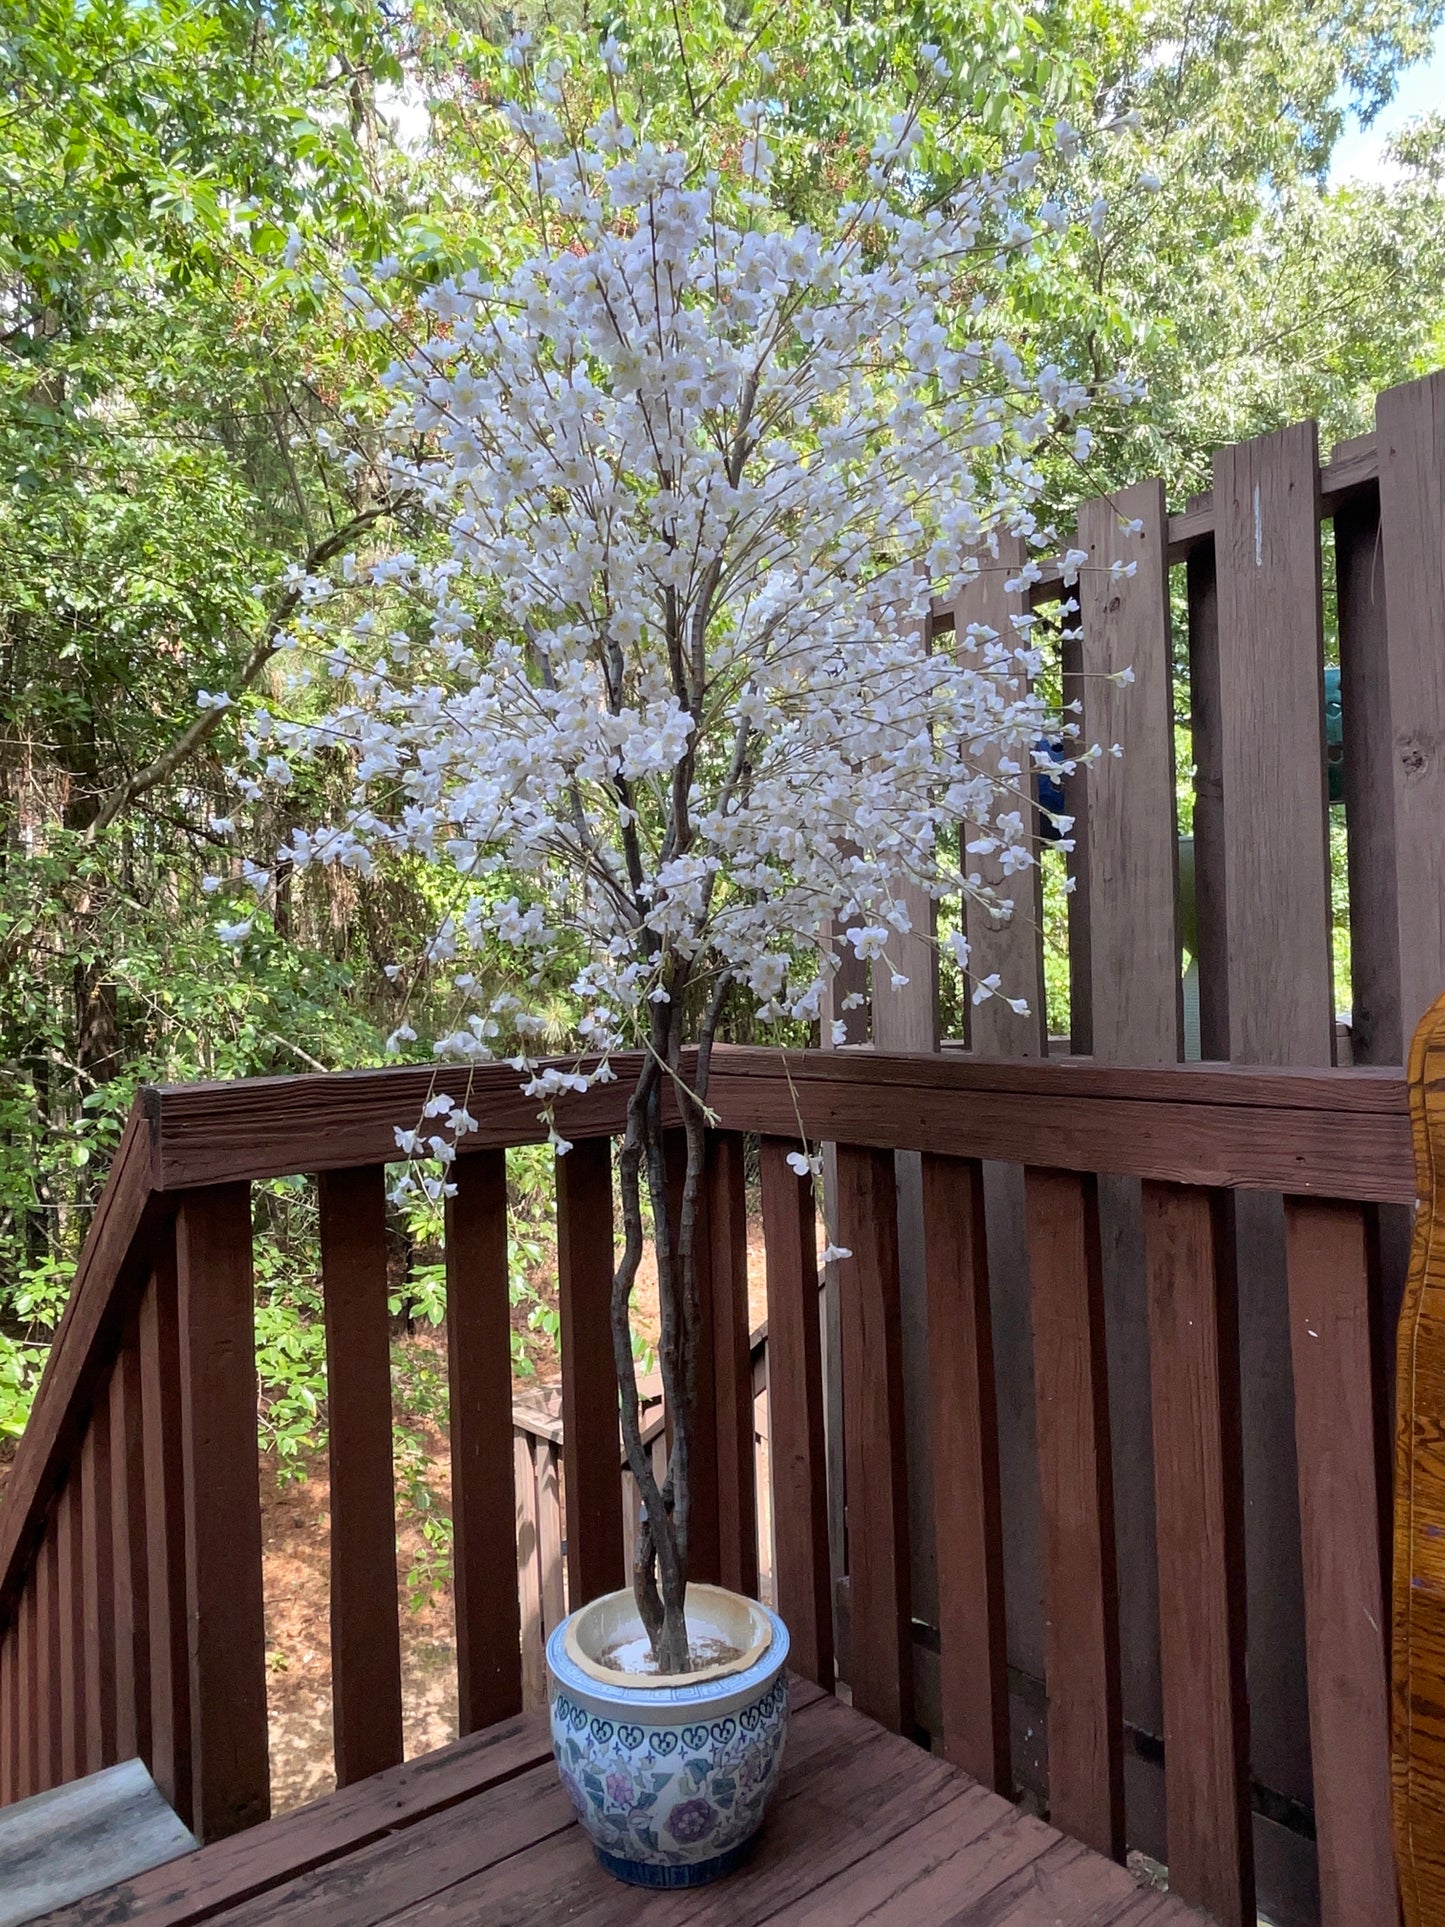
1421	1868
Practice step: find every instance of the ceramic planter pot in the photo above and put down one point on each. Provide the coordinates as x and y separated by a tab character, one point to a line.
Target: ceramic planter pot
670	1774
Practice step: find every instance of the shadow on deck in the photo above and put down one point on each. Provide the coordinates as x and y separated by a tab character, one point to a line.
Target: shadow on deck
864	1826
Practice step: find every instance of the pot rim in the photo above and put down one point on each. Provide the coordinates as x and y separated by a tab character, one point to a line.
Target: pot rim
670	1683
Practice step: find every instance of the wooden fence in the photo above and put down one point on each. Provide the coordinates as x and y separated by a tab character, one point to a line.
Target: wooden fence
1224	625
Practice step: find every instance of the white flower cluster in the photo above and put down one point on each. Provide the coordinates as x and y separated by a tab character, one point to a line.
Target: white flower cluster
704	471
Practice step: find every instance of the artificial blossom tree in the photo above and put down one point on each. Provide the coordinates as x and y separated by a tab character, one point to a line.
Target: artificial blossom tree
674	718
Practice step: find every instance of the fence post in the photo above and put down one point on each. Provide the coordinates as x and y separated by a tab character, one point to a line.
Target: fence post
225	1607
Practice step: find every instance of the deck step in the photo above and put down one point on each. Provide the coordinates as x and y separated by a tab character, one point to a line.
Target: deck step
56	1847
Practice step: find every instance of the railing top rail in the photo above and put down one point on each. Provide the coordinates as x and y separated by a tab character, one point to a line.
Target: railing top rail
1345	1132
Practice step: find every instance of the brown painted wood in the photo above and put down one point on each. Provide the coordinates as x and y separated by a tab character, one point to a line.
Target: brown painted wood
529	1569
589	1383
880	1652
1361	1154
737	1500
1339	1390
1013	949
479	1368
1194	1372
48	1635
547	1458
70	1592
260	1127
1300	1103
1279	998
968	1530
365	1639
1363	1093
1418	1599
1410	433
1086	1728
110	1271
1126	1005
1370	773
165	1517
704	1551
97	1561
27	1778
130	1553
10	1716
1126	823
1271	662
1211	907
801	1581
225	1607
905	1017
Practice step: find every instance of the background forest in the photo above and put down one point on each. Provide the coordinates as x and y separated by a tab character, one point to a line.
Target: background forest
184	411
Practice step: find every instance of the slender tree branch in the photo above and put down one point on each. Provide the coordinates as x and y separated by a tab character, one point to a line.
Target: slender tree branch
184	746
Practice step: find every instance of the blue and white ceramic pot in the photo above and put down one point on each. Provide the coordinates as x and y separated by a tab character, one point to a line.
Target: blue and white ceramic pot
669	1774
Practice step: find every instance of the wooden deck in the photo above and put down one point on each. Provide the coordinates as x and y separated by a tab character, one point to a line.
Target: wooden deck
865	1826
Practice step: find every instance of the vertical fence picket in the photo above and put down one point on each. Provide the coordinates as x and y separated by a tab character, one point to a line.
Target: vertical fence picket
589	1382
1339	1399
1086	1725
547	1461
1278	996
165	1517
1015	951
1194	1344
732	1375
27	1755
48	1634
129	1542
479	1366
881	1650
1012	949
98	1578
968	1530
796	1446
704	1547
529	1571
9	1716
1410	754
225	1605
1271	678
1369	777
365	1638
69	1573
1126	1005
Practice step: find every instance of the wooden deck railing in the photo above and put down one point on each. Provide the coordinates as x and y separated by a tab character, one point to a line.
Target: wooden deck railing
131	1609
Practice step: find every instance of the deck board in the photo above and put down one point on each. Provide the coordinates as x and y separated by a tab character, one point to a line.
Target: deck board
864	1827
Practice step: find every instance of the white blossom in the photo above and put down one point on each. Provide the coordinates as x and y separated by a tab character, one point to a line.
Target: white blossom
704	472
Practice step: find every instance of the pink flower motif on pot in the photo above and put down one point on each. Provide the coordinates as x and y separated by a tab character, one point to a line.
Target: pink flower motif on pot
691	1821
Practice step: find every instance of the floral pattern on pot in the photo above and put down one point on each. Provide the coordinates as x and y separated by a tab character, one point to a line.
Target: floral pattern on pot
670	1795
